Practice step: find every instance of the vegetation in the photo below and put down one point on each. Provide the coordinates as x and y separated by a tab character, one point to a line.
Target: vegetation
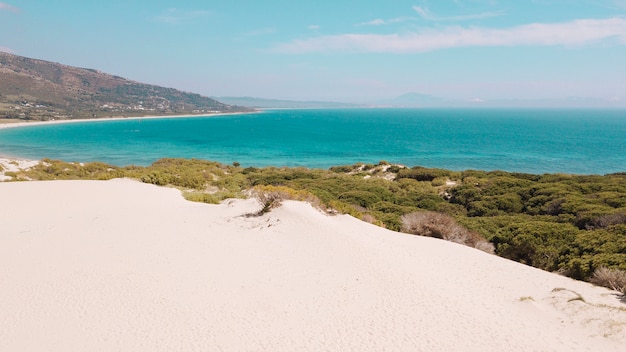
570	224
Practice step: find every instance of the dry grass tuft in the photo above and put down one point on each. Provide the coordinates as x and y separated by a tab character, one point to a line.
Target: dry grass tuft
268	201
271	197
614	279
578	296
439	225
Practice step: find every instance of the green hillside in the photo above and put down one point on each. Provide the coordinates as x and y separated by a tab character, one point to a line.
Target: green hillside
33	89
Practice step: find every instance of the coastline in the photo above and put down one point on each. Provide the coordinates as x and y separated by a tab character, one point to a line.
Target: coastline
5	158
5	124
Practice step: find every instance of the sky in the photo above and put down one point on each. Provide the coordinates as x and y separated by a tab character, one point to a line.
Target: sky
336	50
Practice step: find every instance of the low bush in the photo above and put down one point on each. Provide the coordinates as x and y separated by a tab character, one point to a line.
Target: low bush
342	169
438	225
614	279
210	198
423	174
202	197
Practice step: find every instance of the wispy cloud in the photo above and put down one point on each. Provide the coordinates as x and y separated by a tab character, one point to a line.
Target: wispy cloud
376	22
4	49
7	7
577	32
426	14
176	16
314	27
380	22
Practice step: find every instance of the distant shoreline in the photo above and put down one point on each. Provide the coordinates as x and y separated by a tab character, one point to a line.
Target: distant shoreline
5	125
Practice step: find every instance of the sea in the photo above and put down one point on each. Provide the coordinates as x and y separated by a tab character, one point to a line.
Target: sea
575	141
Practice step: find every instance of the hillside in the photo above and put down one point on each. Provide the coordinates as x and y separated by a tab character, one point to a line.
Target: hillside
32	89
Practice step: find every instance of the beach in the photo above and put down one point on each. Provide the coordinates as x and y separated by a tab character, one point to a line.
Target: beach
6	124
125	266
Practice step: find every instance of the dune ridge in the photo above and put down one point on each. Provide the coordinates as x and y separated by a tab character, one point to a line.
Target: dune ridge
120	265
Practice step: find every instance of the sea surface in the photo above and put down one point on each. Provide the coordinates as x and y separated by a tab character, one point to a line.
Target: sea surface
520	140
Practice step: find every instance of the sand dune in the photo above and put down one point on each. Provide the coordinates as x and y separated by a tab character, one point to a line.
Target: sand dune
124	266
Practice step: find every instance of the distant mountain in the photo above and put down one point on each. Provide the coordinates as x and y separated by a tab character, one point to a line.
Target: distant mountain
565	103
32	89
283	104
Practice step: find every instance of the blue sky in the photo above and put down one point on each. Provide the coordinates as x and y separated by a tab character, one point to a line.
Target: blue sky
355	51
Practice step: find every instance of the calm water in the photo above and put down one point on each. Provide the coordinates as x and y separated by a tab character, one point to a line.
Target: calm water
536	141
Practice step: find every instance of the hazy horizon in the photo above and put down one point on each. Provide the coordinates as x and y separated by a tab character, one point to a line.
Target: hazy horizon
472	51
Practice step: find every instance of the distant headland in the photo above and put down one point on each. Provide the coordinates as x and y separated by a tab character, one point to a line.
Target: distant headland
37	90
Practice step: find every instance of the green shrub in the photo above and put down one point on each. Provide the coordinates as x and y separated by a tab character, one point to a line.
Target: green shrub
423	174
202	197
538	243
361	198
394	169
342	169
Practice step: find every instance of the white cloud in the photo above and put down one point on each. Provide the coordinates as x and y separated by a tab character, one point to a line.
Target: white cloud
7	7
576	32
376	22
401	19
380	22
176	16
423	12
314	27
426	14
4	49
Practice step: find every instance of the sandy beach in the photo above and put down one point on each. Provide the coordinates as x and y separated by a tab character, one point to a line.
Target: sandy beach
4	124
124	266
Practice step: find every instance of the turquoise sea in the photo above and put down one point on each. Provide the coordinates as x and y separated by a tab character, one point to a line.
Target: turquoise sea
521	140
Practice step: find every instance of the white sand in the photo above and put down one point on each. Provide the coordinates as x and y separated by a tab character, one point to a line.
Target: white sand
123	266
101	119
